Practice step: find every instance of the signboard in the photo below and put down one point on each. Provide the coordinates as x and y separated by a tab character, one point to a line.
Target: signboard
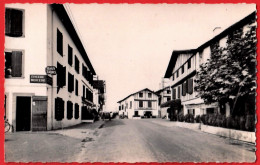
51	70
44	79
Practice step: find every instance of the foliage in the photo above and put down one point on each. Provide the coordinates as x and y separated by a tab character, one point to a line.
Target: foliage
231	71
189	118
198	119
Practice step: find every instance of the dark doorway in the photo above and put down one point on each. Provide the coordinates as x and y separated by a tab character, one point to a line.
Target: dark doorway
23	113
148	114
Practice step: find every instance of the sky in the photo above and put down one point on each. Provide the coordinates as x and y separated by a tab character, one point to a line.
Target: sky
130	45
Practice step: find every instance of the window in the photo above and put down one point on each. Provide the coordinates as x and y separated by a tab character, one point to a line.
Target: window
149	104
76	111
136	114
61	75
168	91
189	63
190	86
59	42
179	92
168	98
191	111
122	107
76	64
173	77
119	108
59	109
76	87
13	64
140	103
177	73
13	22
70	82
182	69
174	94
140	94
83	93
70	52
130	104
69	110
149	95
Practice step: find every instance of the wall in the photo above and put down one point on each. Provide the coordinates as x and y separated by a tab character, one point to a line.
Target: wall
33	44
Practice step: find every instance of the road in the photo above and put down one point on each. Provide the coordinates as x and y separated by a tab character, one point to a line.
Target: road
125	140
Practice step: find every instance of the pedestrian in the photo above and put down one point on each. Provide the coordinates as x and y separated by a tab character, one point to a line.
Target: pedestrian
110	116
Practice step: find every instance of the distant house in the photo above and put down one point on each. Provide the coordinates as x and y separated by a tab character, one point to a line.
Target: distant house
37	99
99	94
164	97
141	104
184	64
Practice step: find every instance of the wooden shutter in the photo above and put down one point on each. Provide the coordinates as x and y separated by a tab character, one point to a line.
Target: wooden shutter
76	87
17	64
76	111
17	23
59	109
179	92
174	93
70	82
59	42
69	110
184	89
190	86
70	52
83	91
8	21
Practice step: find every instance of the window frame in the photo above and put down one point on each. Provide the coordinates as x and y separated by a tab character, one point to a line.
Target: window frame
23	22
22	63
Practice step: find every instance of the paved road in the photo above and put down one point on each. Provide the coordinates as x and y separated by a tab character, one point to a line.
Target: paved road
123	140
145	141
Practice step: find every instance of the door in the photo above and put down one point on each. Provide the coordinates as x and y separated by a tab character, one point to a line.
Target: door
23	113
39	113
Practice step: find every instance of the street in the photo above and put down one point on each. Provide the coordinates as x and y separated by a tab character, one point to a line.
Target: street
125	140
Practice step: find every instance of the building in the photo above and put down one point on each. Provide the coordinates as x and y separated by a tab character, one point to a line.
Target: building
141	104
184	65
99	96
164	97
48	75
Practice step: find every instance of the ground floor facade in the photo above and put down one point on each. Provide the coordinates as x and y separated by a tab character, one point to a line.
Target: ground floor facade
35	108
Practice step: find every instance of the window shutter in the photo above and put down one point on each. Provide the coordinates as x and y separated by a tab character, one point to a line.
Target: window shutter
17	23
190	86
59	42
69	110
184	89
83	91
8	21
76	111
174	94
59	109
63	82
70	52
179	92
76	87
16	63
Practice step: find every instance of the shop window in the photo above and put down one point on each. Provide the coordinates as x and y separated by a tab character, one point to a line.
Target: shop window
141	104
59	42
13	64
69	110
76	111
13	22
149	104
76	64
70	52
149	95
140	94
59	109
76	87
61	75
70	82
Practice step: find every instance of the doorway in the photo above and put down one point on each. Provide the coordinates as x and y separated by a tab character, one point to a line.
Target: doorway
148	114
23	113
39	113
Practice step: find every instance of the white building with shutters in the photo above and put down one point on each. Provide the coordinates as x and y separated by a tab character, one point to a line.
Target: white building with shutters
141	104
39	36
184	64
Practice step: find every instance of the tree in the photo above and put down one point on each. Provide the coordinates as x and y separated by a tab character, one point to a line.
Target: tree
230	73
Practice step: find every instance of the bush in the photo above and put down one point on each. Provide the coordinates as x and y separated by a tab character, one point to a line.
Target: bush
173	117
204	119
198	119
189	118
181	117
242	123
229	122
250	123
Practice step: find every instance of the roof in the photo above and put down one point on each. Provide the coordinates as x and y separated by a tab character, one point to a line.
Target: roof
65	19
221	35
146	89
160	90
173	60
